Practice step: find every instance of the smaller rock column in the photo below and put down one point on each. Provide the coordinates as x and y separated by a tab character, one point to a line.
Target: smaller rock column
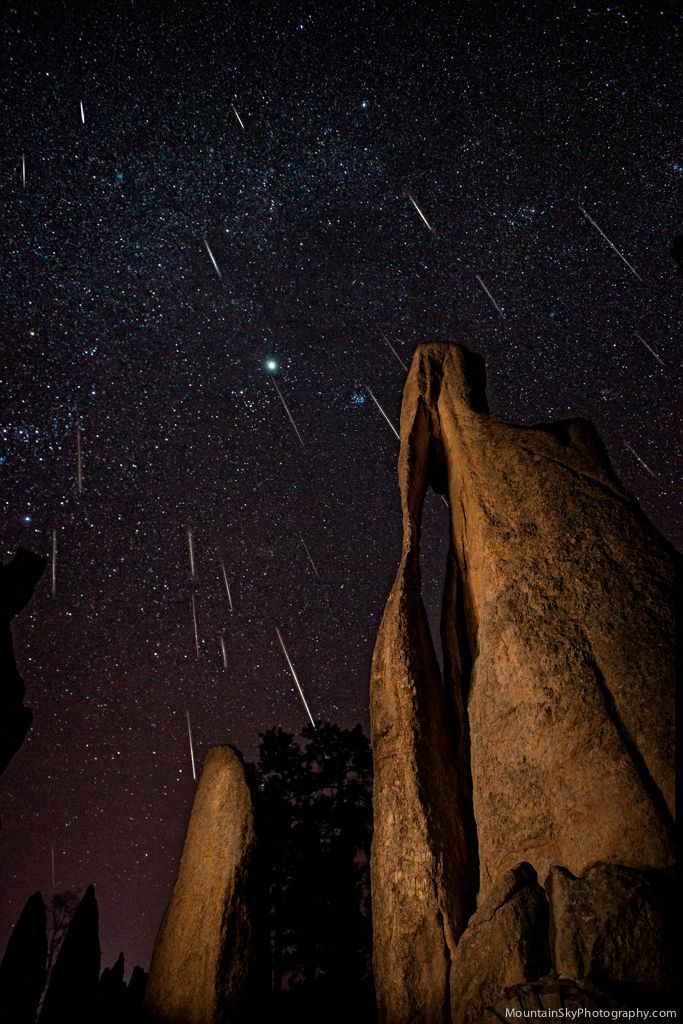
206	966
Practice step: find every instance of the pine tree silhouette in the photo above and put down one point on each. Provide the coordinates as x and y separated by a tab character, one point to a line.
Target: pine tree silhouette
315	822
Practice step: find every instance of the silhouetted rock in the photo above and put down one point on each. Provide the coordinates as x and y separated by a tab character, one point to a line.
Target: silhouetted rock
72	992
111	994
22	971
551	739
17	582
135	994
206	966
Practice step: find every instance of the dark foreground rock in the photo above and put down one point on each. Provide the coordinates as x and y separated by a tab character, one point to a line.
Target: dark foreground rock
18	580
22	971
72	992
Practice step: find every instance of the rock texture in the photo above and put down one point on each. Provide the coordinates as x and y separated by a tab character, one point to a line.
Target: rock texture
424	876
505	944
549	739
206	964
22	971
18	580
615	927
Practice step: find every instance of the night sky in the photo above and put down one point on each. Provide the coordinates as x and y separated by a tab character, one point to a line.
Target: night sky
289	139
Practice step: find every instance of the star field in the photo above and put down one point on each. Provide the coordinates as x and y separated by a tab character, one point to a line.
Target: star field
284	142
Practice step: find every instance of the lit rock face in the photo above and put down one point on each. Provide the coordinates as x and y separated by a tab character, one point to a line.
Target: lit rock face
550	739
206	962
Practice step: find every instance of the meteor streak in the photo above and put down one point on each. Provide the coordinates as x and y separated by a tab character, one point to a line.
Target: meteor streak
190	545
194	620
305	546
82	113
227	585
637	456
238	117
291	419
659	360
613	246
294	677
393	350
23	170
189	735
79	460
420	212
213	259
225	654
489	295
54	563
383	412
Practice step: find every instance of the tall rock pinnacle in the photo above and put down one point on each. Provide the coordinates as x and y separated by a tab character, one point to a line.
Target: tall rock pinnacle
548	742
206	962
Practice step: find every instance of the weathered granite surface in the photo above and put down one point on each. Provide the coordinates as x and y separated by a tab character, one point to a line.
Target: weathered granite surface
549	739
206	964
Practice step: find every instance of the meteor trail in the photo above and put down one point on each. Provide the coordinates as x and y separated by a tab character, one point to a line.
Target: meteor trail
613	246
79	460
294	677
190	544
420	212
82	113
54	563
383	412
489	295
305	546
194	620
637	456
224	653
291	419
650	349
189	735
238	117
393	349
213	259
227	585
23	170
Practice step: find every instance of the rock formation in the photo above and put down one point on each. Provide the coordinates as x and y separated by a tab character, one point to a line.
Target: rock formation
22	971
111	994
18	580
548	742
206	964
72	992
135	994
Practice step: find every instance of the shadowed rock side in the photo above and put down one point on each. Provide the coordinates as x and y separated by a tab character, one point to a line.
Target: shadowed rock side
557	713
18	580
206	964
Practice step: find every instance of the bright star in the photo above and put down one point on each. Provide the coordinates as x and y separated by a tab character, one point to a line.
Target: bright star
271	365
